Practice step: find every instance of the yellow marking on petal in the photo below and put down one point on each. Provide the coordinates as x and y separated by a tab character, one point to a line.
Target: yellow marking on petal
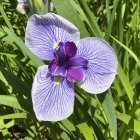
57	80
55	45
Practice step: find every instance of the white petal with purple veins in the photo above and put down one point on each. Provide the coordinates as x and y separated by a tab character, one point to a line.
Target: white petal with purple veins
43	32
51	101
102	64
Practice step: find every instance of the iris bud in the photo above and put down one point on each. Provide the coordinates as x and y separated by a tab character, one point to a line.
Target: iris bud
38	4
22	7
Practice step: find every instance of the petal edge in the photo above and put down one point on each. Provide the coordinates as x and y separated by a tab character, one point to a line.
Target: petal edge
51	102
102	66
43	31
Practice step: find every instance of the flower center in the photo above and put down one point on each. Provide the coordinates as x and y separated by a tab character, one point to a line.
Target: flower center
57	80
66	61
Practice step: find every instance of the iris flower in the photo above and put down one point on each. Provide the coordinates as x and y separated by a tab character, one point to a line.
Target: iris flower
91	62
23	7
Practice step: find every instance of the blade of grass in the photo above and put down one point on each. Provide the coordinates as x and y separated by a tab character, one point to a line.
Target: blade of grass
86	131
11	101
126	118
126	84
14	116
92	19
66	9
16	83
128	50
23	47
112	17
109	109
108	12
6	19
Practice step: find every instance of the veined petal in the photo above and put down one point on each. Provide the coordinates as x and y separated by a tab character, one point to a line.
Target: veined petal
43	32
102	64
75	75
52	66
51	101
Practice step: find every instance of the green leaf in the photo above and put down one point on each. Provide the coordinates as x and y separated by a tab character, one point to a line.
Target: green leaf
126	119
14	116
125	82
10	124
67	126
86	131
66	9
10	101
109	109
9	54
37	62
92	19
37	5
16	83
128	50
112	17
6	18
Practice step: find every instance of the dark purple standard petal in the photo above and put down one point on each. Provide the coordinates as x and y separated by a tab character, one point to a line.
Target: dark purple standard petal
52	66
75	74
65	52
61	56
70	49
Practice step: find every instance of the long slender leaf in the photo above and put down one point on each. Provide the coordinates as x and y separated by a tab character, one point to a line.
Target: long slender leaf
92	19
23	47
126	84
65	9
11	101
109	109
14	116
86	131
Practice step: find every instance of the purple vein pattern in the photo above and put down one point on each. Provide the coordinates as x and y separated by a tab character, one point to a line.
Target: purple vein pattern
91	62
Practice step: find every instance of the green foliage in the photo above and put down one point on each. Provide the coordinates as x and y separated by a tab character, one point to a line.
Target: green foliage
114	115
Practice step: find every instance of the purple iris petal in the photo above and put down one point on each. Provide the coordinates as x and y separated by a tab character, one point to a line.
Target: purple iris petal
65	52
77	62
43	32
53	65
44	1
51	101
70	49
75	74
102	64
60	71
61	55
65	61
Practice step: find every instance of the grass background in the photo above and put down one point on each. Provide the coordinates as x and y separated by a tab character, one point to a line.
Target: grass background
114	115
